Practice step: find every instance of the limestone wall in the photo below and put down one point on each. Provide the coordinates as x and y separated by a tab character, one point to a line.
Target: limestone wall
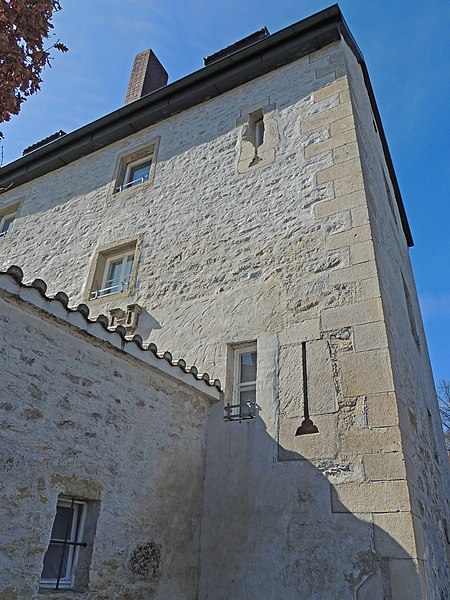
418	415
280	253
82	419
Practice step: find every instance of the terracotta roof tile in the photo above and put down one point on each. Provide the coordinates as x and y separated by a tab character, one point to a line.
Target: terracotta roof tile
39	285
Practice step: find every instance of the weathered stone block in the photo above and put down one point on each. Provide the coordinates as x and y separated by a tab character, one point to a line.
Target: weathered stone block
339	140
366	440
349	184
321	119
366	373
347	202
385	466
367	311
337	68
342	125
394	535
300	332
345	153
368	288
382	410
360	216
370	336
355	235
337	86
362	252
382	496
343	170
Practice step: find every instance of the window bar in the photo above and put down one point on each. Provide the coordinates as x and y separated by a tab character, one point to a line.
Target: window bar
66	538
307	425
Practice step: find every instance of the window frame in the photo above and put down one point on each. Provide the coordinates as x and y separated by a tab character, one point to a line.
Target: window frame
126	160
11	217
98	271
235	409
124	282
9	212
127	182
77	529
259	129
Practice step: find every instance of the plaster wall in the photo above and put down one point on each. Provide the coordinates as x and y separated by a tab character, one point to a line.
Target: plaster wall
81	419
280	254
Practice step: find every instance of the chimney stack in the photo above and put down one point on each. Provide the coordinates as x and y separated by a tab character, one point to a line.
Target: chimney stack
147	75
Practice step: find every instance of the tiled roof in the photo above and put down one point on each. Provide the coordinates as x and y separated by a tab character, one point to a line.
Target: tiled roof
127	344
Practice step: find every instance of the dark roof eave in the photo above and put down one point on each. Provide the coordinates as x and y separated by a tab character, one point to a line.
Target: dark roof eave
270	53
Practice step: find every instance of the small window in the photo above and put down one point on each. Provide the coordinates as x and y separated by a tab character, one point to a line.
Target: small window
7	216
113	270
116	275
135	168
243	405
136	173
66	542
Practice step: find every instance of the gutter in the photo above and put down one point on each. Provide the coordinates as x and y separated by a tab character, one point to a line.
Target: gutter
262	57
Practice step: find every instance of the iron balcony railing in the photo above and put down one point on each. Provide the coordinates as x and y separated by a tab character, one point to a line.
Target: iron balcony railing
131	183
122	286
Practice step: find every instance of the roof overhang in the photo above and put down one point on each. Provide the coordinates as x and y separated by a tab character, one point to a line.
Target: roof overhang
270	53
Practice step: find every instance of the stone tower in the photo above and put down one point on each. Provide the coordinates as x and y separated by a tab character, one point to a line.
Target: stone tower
253	212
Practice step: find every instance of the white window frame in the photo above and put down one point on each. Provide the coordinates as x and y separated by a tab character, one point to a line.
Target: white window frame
3	218
238	385
127	183
124	282
67	579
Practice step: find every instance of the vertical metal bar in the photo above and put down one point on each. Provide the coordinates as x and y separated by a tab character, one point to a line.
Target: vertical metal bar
66	538
305	383
307	425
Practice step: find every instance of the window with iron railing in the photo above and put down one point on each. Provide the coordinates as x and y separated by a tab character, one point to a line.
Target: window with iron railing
116	275
136	173
243	404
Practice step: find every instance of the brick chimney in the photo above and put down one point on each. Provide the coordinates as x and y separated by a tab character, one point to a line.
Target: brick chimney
147	75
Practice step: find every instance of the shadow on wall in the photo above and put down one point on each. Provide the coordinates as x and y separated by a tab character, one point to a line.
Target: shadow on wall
269	530
184	154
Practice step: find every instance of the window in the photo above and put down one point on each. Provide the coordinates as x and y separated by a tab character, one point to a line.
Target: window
259	132
66	542
243	402
136	173
116	275
113	270
135	168
7	216
259	138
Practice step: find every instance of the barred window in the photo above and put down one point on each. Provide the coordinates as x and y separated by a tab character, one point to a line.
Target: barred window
66	542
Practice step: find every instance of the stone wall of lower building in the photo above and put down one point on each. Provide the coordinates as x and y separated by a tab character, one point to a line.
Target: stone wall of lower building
81	418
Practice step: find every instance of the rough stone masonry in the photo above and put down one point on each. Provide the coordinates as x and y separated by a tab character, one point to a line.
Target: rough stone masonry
270	217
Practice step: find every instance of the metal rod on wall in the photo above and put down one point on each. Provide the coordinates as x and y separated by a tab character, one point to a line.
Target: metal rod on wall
307	425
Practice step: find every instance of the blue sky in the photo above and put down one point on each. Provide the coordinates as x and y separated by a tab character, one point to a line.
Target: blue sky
406	48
